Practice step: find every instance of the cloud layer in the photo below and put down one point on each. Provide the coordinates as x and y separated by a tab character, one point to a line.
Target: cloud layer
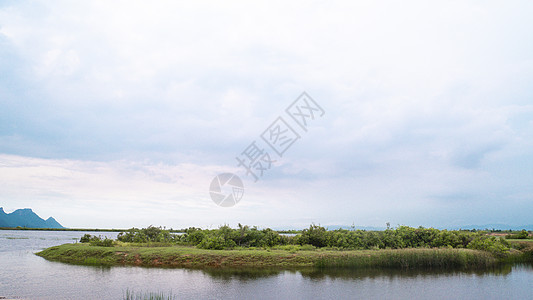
135	106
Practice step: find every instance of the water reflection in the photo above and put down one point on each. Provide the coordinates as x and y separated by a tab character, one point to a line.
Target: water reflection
351	274
241	274
246	274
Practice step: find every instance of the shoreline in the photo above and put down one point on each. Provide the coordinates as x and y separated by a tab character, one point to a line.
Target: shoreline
192	257
79	229
62	229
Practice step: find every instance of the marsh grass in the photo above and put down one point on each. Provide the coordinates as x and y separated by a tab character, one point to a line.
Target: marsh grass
412	259
131	295
283	257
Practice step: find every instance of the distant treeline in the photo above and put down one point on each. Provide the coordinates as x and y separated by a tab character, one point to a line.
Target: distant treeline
62	229
289	231
80	229
315	237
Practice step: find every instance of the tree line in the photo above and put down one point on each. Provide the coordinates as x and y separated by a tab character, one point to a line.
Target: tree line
316	236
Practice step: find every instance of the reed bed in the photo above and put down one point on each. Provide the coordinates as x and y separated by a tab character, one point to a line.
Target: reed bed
131	295
412	259
190	257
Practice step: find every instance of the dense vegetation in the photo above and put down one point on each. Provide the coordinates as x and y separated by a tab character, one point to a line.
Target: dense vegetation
315	237
96	240
522	235
402	247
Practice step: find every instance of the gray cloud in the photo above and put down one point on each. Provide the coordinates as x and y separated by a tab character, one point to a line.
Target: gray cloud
423	102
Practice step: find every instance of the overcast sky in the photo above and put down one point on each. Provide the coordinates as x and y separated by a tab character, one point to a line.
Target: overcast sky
120	113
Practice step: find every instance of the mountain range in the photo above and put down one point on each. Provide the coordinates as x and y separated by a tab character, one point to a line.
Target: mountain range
26	218
498	226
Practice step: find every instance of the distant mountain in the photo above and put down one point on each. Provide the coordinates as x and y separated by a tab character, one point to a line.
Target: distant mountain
351	227
52	223
26	218
3	221
497	227
333	227
464	227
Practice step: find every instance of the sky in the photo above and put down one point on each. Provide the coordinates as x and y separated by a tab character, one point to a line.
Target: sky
116	114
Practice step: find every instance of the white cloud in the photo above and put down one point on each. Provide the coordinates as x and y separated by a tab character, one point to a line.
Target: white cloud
424	101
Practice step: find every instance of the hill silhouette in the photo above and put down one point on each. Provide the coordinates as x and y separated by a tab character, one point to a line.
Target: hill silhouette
26	218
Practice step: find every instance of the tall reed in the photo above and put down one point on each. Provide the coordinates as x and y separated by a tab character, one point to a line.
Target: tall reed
131	295
412	259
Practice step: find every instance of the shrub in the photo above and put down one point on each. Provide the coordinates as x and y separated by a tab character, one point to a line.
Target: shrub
194	236
318	237
216	242
524	234
86	238
272	238
497	246
102	243
315	235
96	240
145	235
133	235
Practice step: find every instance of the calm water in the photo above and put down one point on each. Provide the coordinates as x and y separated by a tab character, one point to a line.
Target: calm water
26	276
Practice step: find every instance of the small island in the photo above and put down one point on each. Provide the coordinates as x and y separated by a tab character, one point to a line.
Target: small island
400	248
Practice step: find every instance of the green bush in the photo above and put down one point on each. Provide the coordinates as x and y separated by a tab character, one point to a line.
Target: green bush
146	235
317	236
497	246
86	238
102	243
96	240
216	242
524	234
193	236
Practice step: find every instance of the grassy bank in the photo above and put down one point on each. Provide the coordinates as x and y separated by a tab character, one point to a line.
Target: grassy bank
191	257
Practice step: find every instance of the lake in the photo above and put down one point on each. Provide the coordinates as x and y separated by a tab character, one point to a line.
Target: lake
24	275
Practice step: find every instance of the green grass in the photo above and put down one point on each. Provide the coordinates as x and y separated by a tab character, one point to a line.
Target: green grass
413	259
528	240
523	250
283	257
